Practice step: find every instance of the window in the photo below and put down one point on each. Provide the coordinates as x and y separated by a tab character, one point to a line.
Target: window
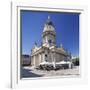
45	55
50	41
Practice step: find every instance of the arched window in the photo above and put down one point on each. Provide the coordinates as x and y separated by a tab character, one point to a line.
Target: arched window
50	41
45	55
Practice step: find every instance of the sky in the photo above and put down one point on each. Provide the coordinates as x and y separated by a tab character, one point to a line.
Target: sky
66	27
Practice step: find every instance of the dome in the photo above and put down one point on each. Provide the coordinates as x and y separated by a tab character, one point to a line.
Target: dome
49	26
49	22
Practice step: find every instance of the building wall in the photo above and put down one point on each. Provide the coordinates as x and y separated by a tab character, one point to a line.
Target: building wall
32	60
37	59
40	57
50	57
26	60
60	57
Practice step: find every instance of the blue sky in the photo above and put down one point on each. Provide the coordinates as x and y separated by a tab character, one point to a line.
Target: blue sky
66	25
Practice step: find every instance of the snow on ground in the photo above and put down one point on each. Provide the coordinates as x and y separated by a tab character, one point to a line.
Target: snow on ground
29	72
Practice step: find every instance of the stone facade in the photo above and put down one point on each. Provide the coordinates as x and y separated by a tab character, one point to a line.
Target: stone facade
48	51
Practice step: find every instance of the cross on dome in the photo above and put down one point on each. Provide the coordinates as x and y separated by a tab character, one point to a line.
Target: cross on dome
61	45
49	26
49	22
48	17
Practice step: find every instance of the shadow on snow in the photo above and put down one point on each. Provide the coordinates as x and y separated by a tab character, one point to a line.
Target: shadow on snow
26	73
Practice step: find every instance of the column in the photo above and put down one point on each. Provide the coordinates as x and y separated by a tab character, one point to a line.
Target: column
52	56
43	57
54	60
39	58
46	39
34	60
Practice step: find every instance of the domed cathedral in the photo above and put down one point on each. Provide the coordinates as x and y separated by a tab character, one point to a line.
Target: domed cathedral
48	51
